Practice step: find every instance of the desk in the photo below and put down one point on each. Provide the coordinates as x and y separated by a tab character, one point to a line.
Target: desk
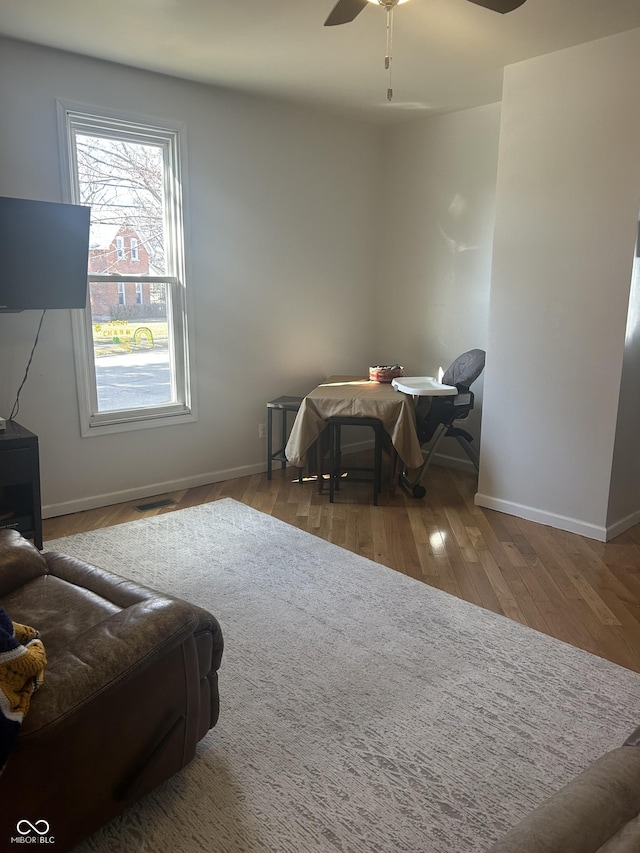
354	396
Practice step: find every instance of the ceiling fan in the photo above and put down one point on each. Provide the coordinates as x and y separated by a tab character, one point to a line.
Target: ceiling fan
346	10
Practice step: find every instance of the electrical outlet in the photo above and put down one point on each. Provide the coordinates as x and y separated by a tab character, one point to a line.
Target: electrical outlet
262	430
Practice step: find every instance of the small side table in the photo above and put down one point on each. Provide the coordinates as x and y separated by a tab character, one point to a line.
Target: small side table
285	405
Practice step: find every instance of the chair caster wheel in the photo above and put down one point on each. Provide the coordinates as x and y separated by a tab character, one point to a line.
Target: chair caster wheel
418	491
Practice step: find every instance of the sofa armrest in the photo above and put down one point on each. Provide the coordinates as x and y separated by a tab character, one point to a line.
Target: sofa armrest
135	626
20	562
119	590
633	739
107	653
106	584
584	815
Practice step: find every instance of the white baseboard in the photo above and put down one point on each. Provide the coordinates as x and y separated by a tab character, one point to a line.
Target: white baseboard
109	498
125	495
561	522
623	524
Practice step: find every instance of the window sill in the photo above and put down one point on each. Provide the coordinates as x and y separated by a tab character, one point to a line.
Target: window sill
138	421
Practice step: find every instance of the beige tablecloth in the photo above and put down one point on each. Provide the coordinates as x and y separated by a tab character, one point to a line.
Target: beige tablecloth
355	397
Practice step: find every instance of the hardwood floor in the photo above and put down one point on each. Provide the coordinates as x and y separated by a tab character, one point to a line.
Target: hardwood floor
580	591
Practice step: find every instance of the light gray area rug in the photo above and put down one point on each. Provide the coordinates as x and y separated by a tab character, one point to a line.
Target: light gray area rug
361	710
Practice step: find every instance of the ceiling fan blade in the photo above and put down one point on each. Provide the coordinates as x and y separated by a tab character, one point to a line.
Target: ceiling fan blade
499	5
345	11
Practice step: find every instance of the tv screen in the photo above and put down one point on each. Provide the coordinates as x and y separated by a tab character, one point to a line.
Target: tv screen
44	250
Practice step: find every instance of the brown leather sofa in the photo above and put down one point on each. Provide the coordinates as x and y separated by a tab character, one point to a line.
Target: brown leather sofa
129	689
596	812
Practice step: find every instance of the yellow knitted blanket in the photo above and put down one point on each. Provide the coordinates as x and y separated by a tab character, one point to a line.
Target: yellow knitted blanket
22	663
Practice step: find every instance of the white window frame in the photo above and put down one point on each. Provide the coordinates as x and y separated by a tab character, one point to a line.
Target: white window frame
77	118
120	248
134	250
122	293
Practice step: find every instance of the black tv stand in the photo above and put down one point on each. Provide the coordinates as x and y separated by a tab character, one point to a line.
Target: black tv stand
20	507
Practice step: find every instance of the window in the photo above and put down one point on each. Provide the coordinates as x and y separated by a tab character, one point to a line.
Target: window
131	345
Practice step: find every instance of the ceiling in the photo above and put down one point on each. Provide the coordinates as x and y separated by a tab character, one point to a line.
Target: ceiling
447	54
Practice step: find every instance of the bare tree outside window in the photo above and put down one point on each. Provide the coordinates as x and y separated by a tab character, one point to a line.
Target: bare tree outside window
123	183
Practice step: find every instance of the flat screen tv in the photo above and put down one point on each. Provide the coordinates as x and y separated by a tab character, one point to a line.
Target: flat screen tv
44	250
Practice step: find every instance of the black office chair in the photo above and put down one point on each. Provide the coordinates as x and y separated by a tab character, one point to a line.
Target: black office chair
435	416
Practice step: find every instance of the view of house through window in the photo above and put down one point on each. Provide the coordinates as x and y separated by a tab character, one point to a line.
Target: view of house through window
135	331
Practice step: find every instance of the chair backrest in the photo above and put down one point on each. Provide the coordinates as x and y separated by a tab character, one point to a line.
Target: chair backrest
465	369
444	410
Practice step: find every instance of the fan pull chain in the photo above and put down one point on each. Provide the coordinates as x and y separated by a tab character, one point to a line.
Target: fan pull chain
388	57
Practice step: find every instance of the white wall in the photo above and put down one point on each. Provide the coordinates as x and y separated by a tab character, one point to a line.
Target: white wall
435	225
568	192
281	206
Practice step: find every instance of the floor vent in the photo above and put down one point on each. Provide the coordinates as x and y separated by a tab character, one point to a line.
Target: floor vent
156	505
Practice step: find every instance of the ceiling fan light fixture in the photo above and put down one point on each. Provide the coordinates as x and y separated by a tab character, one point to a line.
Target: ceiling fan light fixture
346	11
